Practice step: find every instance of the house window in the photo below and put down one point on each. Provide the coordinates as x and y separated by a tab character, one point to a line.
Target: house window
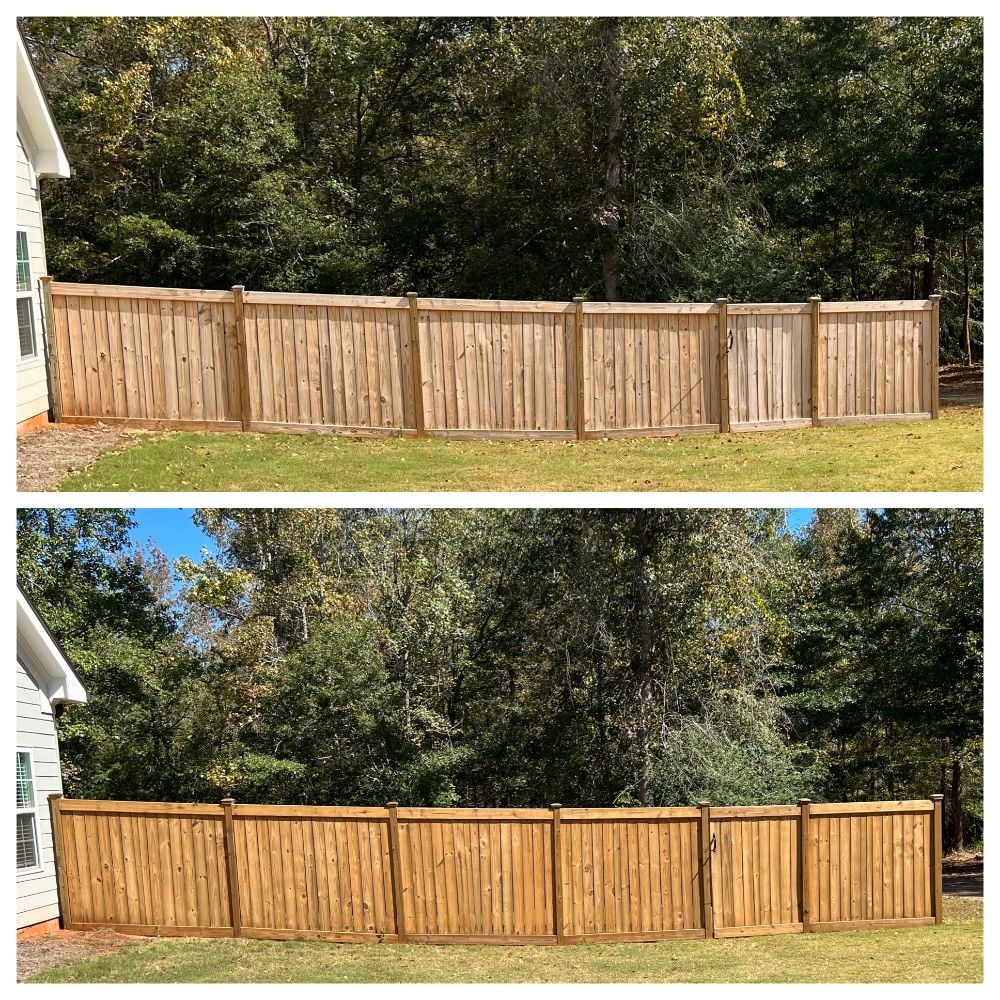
25	299
28	853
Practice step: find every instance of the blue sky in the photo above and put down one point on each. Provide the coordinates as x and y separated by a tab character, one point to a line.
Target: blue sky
175	534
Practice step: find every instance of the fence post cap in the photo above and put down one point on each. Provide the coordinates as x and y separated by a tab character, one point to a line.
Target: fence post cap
411	295
579	298
228	801
935	297
55	795
804	802
722	298
937	798
391	805
704	802
556	805
815	298
238	288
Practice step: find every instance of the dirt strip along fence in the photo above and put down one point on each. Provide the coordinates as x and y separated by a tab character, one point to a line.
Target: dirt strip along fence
511	876
269	361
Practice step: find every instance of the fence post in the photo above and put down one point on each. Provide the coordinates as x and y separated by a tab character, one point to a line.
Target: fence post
557	882
416	371
935	355
242	358
581	413
723	365
395	873
805	887
232	872
55	816
705	851
937	853
814	301
49	335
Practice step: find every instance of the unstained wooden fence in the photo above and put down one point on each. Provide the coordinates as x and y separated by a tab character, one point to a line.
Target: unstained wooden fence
264	361
496	875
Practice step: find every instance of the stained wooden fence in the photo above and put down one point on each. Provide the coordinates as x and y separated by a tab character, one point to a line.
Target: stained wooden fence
263	361
495	875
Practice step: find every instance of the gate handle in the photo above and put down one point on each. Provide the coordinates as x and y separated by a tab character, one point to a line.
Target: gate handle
711	849
729	342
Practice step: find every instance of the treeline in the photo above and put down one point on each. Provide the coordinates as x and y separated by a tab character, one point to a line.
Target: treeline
520	657
634	158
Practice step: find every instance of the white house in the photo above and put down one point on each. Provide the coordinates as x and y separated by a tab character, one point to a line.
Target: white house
40	154
44	680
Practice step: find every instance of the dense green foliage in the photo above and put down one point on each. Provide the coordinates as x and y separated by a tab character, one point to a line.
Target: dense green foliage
518	657
650	159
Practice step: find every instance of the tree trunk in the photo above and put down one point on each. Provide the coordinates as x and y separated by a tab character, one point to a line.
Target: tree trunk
930	267
644	656
957	835
609	214
966	299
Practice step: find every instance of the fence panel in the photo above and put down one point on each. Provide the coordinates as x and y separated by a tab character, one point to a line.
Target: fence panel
871	865
327	361
146	867
146	354
498	366
483	368
314	872
476	874
875	360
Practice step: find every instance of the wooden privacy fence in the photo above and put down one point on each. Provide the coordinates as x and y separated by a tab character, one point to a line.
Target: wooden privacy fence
264	361
496	875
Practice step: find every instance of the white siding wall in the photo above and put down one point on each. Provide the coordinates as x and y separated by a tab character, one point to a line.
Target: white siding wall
32	388
37	894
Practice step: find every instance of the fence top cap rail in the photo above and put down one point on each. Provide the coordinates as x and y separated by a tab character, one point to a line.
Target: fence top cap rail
630	813
494	305
842	808
120	806
449	812
318	299
748	812
346	812
669	308
84	290
882	305
769	308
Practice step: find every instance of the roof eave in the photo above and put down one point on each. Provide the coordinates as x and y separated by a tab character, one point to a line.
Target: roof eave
49	157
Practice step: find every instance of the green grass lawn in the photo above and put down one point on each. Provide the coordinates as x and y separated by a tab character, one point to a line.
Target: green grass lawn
949	953
924	455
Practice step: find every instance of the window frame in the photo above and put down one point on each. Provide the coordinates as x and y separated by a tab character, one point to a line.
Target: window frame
29	294
33	812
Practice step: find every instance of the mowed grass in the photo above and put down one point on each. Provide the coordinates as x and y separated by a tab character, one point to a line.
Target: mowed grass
946	454
951	952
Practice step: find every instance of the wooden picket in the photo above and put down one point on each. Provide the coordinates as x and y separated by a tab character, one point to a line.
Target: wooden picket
512	876
270	361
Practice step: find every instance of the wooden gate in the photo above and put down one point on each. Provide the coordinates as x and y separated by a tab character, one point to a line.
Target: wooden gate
756	883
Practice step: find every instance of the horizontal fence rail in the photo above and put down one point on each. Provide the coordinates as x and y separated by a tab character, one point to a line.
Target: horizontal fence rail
513	876
274	361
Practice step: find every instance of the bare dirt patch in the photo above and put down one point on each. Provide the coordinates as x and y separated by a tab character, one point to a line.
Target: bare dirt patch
50	951
46	457
962	385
